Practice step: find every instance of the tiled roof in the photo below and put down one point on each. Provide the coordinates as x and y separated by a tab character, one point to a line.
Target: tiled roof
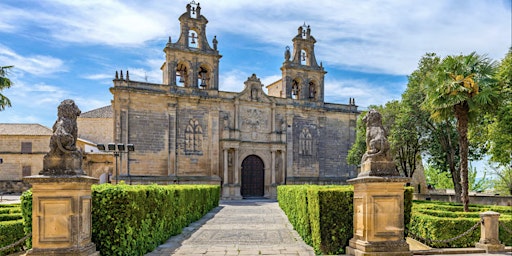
103	112
24	129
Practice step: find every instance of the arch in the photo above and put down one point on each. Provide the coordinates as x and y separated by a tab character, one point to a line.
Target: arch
305	142
193	38
204	76
296	88
182	73
312	90
253	177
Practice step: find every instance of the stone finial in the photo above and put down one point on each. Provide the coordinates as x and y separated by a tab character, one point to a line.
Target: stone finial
64	157
117	75
121	75
377	160
127	76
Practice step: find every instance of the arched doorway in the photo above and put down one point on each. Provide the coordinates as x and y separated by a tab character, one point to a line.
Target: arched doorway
253	177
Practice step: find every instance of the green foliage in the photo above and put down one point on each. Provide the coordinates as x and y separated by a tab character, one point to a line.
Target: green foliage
323	215
503	180
133	220
294	202
26	210
442	220
359	147
10	233
438	179
10	216
4	84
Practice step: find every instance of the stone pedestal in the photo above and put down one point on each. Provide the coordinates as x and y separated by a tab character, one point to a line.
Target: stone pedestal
378	216
61	215
489	232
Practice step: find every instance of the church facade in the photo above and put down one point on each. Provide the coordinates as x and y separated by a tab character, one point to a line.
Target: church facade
185	130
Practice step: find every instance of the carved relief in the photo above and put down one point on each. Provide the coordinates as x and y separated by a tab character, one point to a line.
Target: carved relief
253	119
194	138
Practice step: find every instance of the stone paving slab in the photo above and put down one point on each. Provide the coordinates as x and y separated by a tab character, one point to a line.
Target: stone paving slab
241	227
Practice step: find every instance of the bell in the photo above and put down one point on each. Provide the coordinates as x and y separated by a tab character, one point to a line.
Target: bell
203	83
181	80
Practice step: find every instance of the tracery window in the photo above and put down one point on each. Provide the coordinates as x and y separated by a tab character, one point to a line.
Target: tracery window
305	143
193	137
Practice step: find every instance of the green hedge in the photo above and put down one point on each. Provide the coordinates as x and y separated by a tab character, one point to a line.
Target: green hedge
134	220
442	220
10	216
323	215
10	232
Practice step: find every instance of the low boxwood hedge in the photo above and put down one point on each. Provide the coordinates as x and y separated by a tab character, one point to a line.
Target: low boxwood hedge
442	220
10	216
323	215
135	219
10	232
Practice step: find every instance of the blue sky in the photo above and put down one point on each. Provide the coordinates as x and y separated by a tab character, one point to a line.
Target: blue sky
71	49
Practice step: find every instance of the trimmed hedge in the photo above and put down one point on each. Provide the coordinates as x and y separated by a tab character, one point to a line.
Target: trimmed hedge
10	216
134	220
323	215
442	220
10	233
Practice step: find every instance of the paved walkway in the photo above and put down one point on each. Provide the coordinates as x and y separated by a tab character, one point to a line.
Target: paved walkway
248	227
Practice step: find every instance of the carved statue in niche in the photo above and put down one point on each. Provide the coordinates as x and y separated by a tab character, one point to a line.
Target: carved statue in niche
226	122
377	160
64	158
283	125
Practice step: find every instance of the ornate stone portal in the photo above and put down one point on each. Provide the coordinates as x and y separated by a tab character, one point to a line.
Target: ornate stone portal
61	194
378	198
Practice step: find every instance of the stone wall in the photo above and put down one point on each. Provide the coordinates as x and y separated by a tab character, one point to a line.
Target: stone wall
97	130
473	198
13	186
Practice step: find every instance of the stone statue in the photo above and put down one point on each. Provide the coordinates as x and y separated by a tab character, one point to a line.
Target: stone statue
287	54
64	158
377	160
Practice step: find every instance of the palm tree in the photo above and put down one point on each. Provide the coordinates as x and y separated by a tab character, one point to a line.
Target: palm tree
463	87
4	84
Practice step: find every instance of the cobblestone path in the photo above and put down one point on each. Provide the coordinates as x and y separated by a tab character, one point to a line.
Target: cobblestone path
244	227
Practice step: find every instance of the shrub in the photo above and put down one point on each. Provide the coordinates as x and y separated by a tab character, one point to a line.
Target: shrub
10	216
329	209
133	220
442	220
293	201
26	211
10	233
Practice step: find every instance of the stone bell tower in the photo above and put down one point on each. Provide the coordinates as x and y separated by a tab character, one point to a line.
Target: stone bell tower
191	62
302	77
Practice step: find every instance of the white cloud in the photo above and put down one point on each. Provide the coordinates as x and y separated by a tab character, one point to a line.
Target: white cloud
232	81
34	64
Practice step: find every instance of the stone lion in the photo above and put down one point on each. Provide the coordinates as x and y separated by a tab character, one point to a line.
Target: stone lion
63	140
377	145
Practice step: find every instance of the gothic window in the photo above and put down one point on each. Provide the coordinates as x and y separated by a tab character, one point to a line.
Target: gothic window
193	137
312	90
305	143
295	89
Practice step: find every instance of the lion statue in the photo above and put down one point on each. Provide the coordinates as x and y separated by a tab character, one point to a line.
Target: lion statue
377	145
64	158
63	140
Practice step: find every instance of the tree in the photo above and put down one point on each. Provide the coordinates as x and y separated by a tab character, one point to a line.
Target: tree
462	86
4	84
438	139
503	180
437	178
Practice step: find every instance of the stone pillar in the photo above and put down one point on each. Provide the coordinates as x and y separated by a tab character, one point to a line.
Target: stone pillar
61	215
273	166
489	232
378	217
237	186
225	186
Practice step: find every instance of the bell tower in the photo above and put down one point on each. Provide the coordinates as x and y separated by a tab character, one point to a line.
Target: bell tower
191	62
302	77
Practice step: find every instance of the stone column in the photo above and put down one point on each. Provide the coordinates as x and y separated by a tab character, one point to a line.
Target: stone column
489	232
236	186
61	215
225	186
273	167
